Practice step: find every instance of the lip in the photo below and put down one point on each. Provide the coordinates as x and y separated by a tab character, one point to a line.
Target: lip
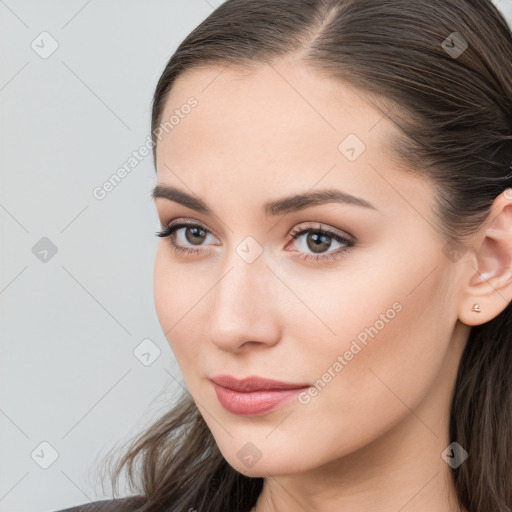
254	396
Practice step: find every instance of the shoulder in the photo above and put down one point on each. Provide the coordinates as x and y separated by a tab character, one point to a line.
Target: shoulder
128	504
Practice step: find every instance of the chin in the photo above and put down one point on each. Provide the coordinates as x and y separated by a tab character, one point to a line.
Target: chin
263	461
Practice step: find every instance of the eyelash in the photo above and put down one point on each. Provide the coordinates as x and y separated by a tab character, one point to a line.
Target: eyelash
169	230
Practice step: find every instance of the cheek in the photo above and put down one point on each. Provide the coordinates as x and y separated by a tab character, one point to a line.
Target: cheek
176	294
376	314
389	348
162	288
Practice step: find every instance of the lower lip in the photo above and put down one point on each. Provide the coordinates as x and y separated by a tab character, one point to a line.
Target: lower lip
254	403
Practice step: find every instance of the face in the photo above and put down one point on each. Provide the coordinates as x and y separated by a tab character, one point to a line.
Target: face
354	299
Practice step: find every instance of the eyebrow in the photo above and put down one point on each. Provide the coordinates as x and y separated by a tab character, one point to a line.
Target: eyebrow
276	207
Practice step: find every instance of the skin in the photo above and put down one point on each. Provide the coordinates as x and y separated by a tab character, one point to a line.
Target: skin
375	433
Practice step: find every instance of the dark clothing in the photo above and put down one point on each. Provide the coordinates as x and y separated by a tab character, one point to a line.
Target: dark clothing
128	504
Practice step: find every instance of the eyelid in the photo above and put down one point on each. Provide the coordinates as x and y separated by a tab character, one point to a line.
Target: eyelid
184	222
318	226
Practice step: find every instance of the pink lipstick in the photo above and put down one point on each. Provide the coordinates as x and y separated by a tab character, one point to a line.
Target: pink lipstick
254	396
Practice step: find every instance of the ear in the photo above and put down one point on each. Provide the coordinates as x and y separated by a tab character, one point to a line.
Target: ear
489	278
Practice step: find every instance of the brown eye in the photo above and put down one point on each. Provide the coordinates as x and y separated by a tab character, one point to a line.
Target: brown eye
318	241
195	234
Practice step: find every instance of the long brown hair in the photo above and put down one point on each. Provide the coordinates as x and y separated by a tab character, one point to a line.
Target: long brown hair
442	72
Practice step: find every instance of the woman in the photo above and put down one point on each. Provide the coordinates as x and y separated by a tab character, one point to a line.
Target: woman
333	184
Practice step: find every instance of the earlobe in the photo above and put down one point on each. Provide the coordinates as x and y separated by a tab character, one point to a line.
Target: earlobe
489	284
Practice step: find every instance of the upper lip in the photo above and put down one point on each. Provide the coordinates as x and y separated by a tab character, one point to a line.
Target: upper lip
254	383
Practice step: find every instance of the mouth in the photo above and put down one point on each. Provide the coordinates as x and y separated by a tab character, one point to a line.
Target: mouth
254	396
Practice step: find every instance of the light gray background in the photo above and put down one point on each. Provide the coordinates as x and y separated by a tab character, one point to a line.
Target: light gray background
70	324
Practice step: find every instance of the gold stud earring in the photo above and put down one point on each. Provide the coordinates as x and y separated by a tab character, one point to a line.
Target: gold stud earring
476	308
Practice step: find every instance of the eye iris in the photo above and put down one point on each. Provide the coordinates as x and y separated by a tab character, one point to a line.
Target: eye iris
319	242
196	239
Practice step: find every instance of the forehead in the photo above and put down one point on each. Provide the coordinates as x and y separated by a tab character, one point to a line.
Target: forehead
275	125
271	104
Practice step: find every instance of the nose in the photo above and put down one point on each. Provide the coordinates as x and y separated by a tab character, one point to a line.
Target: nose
244	311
